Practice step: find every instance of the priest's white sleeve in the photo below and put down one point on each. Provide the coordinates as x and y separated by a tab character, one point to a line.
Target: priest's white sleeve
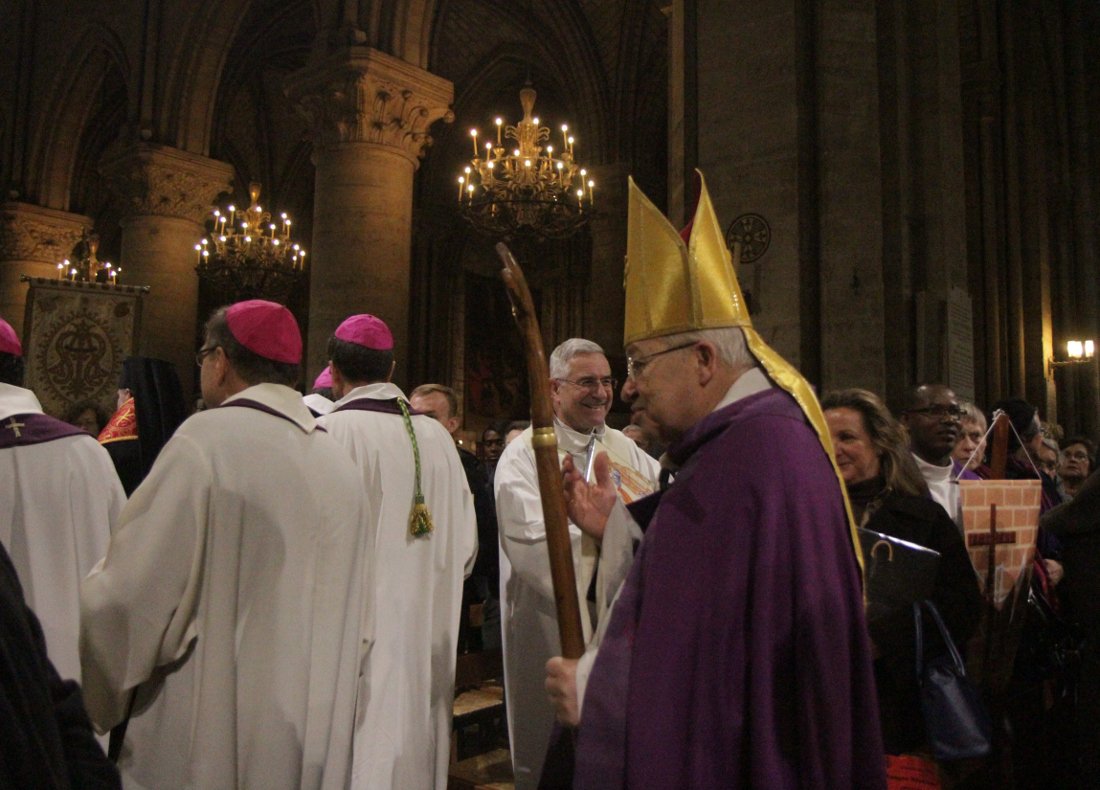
138	604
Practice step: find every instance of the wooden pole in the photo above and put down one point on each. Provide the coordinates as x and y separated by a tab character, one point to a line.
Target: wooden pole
545	444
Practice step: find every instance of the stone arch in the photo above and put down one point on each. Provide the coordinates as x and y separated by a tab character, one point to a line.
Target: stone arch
186	114
98	57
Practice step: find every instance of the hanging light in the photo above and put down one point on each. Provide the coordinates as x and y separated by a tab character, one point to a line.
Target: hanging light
249	254
529	186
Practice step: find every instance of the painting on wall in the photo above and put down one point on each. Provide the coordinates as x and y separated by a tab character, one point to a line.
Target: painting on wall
496	371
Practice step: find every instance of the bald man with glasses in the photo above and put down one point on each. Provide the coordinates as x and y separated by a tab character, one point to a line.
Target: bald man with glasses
582	390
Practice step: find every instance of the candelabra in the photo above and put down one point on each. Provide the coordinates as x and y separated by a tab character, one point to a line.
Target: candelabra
84	266
248	255
530	188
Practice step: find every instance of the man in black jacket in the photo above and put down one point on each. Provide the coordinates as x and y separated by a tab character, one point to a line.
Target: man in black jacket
46	739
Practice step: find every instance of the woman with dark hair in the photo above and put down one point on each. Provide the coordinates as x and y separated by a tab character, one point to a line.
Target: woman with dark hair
889	496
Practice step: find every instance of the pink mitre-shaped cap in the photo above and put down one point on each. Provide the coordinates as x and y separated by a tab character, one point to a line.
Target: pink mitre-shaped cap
323	380
9	341
266	329
367	331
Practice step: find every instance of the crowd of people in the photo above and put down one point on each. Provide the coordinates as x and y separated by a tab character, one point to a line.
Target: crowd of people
272	591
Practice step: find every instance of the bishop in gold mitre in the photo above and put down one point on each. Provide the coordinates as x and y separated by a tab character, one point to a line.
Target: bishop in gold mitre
736	654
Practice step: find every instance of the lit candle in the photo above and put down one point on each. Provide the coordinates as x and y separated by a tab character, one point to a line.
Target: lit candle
488	152
570	141
500	126
565	133
60	270
72	275
198	253
473	134
461	181
591	187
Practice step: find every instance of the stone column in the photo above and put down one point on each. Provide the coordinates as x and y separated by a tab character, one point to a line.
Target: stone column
33	240
608	299
167	194
370	114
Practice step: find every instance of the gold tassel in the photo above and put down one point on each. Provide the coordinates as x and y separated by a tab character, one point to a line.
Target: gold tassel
420	523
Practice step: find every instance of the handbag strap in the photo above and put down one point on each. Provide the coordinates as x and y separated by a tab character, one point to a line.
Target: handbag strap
960	667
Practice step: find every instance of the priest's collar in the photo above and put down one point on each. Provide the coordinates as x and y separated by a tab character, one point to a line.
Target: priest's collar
748	383
932	472
380	390
17	400
573	441
279	398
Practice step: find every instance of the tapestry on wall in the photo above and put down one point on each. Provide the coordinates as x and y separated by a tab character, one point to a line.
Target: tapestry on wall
75	337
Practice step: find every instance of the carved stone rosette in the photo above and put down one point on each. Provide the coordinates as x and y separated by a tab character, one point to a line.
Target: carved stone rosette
363	95
155	180
33	233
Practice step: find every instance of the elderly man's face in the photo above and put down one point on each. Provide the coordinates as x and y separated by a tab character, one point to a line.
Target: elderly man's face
933	423
1075	463
583	397
660	390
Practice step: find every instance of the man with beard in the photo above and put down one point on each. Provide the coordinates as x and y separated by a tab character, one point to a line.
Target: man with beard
933	418
582	390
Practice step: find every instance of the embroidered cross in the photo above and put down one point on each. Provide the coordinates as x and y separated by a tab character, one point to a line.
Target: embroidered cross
14	427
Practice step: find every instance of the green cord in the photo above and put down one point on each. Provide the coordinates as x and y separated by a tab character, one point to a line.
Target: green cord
420	521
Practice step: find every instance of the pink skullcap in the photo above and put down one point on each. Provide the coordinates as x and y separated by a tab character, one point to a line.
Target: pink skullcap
9	341
266	329
323	380
367	331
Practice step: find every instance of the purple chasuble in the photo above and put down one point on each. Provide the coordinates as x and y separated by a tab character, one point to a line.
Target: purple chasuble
34	428
737	653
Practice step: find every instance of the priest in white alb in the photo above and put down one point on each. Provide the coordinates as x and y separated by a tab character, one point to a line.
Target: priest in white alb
582	390
224	620
424	545
59	501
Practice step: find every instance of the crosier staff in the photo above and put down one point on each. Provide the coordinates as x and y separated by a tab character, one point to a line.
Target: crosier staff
545	444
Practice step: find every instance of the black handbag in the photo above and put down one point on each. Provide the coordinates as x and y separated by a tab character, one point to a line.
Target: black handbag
956	721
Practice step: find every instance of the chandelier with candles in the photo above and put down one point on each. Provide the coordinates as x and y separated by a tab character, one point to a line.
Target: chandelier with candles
248	254
523	184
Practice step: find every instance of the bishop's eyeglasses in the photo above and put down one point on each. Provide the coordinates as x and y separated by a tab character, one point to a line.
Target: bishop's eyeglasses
635	366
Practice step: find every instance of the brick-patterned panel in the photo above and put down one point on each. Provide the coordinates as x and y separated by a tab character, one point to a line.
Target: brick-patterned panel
1017	511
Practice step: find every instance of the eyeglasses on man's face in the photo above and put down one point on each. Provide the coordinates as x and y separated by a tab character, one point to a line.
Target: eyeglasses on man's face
939	411
203	353
593	384
635	366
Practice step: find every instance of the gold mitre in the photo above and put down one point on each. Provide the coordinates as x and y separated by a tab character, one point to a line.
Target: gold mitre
675	287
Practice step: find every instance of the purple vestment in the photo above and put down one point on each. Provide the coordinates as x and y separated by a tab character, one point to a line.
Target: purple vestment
737	654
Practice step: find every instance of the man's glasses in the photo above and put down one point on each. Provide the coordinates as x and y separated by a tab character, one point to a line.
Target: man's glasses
593	384
635	366
939	411
203	353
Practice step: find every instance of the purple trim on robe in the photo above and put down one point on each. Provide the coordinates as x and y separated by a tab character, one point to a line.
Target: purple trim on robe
737	653
387	406
19	430
959	472
248	403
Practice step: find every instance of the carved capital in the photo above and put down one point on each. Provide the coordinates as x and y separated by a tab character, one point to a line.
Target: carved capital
363	95
165	182
33	233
